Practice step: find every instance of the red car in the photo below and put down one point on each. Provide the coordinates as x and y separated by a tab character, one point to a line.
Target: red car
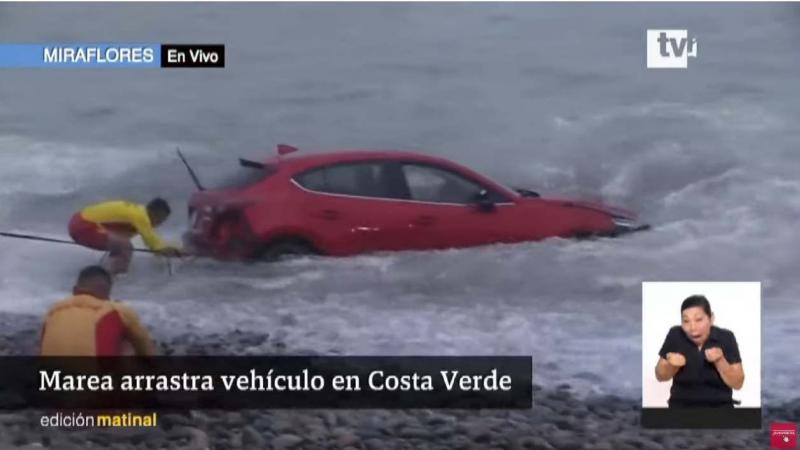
351	202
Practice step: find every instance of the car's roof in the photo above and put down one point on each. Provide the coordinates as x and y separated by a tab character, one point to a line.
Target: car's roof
301	161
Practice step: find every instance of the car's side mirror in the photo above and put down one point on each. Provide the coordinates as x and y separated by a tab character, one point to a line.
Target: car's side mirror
483	202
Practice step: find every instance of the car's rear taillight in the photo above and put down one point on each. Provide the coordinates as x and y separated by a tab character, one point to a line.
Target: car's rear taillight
199	218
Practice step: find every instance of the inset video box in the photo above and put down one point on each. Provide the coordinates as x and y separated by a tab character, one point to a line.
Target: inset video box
192	55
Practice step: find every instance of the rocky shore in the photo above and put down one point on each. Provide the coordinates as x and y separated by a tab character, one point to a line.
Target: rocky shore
558	420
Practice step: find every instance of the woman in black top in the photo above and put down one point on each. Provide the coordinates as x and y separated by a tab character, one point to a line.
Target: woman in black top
702	360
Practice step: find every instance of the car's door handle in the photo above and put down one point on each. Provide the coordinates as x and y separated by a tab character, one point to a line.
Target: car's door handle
328	214
424	221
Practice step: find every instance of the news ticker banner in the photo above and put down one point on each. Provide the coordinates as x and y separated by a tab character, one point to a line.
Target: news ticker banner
112	55
281	382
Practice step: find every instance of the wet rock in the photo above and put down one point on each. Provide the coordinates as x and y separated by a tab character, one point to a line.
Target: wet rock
531	443
345	437
580	412
589	376
494	423
199	419
313	422
249	415
19	440
197	439
102	439
439	419
546	429
235	439
480	434
282	425
564	440
252	438
598	446
316	433
233	418
460	441
443	432
397	423
621	444
375	444
520	417
172	420
286	441
288	320
12	419
330	419
641	442
153	438
604	415
413	432
565	423
346	420
262	423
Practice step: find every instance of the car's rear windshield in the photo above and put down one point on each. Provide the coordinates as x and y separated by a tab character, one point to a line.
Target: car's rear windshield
243	177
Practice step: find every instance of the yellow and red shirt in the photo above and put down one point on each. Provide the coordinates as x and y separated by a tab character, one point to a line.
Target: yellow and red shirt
83	325
125	217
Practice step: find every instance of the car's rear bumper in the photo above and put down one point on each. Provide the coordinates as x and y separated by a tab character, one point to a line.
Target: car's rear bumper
234	247
196	244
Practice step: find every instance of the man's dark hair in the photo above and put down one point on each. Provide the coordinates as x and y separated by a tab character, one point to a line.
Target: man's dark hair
159	205
92	273
697	300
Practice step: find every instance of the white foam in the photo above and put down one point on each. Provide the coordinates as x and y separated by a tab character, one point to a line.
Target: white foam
52	168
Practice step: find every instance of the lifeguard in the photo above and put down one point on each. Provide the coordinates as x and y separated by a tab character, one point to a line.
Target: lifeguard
110	226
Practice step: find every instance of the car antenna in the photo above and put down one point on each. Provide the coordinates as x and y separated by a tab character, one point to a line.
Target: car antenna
191	172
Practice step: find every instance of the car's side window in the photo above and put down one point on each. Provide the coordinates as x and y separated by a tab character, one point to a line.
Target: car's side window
358	179
432	184
314	180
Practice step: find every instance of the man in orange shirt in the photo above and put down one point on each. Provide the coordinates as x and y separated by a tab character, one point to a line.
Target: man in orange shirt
110	226
89	324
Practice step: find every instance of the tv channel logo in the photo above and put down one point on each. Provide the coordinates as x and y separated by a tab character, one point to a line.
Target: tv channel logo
783	435
670	49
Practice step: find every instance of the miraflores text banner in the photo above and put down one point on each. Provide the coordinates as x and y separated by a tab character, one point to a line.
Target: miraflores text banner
112	55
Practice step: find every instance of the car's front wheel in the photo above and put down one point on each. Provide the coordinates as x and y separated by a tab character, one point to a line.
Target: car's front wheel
286	248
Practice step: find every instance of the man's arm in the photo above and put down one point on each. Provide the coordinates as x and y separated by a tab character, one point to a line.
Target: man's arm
145	229
668	367
732	373
151	238
669	363
136	333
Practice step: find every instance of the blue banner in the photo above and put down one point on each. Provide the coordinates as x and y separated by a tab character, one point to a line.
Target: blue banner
78	55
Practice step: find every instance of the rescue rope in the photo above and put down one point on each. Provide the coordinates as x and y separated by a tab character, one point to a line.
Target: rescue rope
57	241
63	241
